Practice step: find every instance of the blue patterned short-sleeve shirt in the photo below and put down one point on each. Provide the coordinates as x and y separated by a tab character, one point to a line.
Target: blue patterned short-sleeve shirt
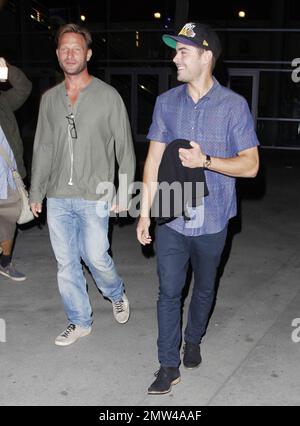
221	123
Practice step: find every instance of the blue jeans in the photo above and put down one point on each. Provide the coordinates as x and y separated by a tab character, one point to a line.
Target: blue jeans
78	232
173	251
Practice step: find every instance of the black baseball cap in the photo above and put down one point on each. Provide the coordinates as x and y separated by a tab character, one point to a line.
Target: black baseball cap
196	34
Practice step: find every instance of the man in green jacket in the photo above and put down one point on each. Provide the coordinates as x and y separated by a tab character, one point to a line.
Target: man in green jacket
82	125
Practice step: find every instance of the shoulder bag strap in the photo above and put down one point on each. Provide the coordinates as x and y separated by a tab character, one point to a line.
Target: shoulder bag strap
3	154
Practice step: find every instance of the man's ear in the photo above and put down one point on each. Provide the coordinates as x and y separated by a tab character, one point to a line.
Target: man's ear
89	54
208	55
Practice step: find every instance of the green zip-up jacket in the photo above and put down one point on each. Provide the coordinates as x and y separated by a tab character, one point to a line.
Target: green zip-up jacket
11	100
73	167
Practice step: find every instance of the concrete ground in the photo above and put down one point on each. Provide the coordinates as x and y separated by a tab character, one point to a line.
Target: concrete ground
249	357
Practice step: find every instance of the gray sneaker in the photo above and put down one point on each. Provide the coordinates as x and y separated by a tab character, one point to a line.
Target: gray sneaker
121	309
71	334
10	272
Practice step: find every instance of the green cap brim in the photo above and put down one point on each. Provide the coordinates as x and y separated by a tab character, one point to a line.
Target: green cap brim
169	41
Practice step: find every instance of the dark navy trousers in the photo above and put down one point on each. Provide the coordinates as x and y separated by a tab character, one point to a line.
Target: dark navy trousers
173	251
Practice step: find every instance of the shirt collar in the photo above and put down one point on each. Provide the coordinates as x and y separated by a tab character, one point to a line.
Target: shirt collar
86	88
208	95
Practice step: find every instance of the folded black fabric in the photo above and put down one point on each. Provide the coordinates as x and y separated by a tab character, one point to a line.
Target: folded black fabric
170	171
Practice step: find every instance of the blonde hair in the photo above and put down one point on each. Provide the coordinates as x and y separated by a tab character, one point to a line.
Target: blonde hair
74	28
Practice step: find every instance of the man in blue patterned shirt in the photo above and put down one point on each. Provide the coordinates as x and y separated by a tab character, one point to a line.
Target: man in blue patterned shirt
219	125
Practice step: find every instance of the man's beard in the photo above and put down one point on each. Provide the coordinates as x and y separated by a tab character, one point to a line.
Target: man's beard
76	71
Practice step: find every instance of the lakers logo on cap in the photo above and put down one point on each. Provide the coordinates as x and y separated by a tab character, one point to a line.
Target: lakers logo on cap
205	43
187	30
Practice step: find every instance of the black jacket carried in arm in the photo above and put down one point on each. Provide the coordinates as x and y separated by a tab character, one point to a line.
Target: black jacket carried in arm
169	205
11	100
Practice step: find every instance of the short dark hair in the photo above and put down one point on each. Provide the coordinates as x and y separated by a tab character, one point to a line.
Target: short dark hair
74	28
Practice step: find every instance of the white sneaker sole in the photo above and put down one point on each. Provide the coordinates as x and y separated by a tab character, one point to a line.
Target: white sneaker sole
12	278
70	342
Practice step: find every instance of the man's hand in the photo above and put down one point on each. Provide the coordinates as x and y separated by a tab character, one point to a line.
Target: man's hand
142	231
36	209
192	157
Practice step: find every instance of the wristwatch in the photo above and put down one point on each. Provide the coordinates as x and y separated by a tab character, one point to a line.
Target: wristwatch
207	162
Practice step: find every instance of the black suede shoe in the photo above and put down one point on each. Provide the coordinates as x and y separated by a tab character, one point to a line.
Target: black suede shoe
191	355
166	377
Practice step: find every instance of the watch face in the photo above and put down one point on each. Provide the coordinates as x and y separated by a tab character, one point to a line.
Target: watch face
207	163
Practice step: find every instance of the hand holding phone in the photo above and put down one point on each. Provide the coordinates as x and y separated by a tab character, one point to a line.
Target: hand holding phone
3	70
